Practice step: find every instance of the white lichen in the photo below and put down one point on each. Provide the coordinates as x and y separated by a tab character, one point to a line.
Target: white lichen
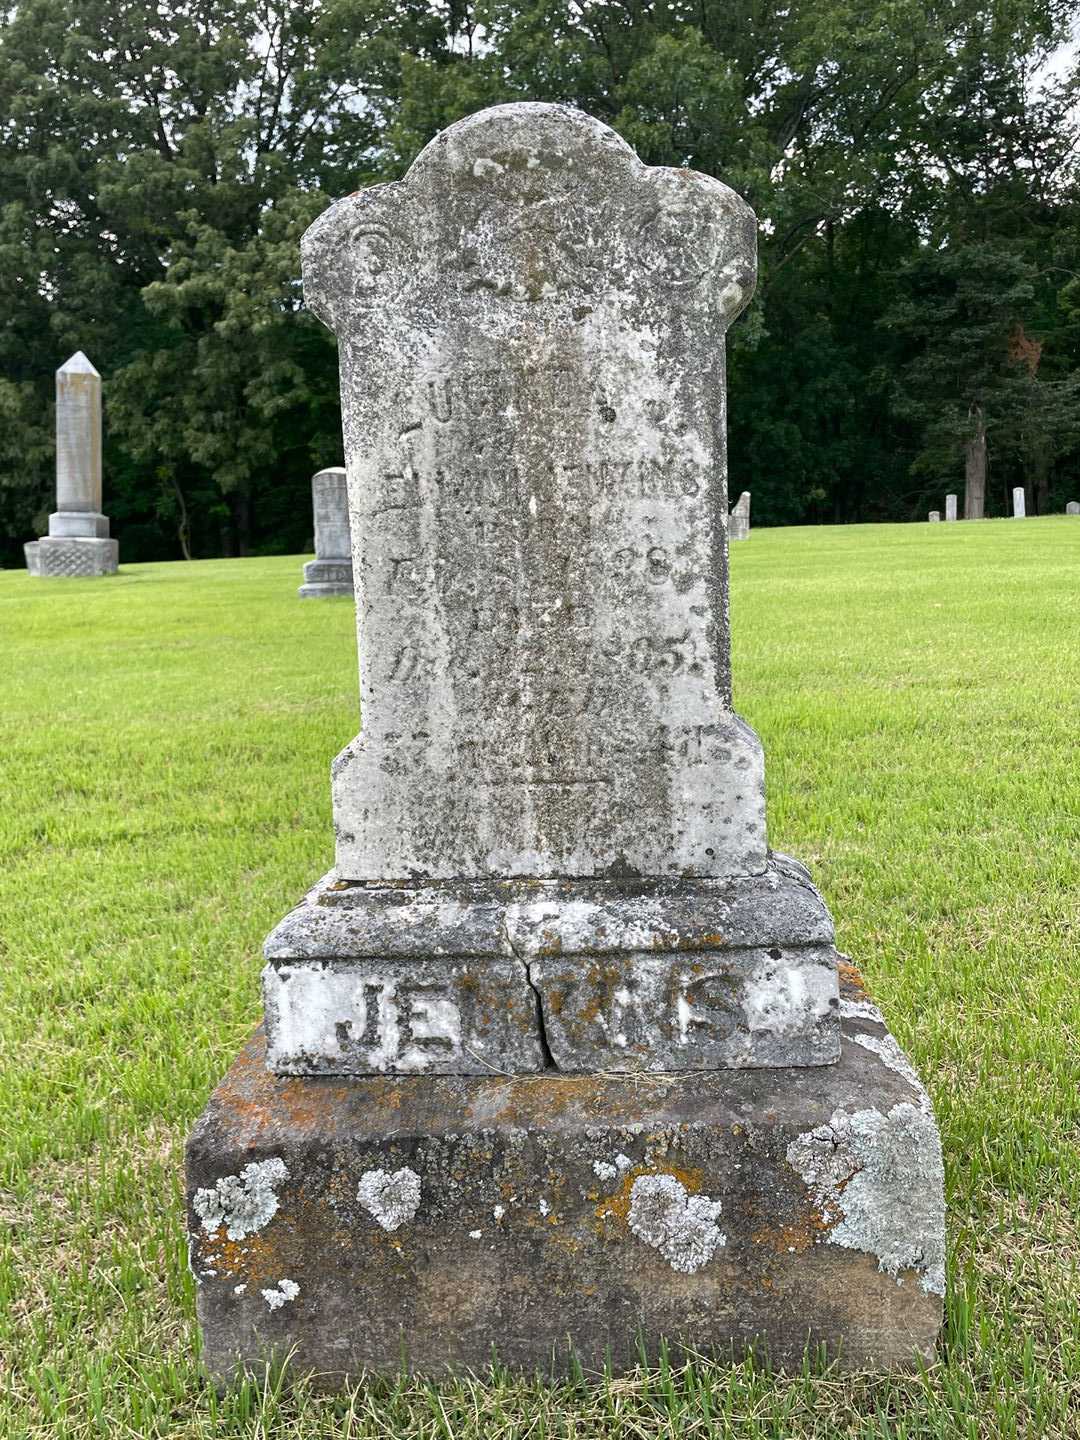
544	1207
890	1054
242	1203
239	1289
883	1176
392	1200
603	1171
475	1234
861	1010
286	1290
499	1212
623	1162
681	1226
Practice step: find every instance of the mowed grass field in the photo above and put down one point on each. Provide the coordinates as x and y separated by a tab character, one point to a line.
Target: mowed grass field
165	739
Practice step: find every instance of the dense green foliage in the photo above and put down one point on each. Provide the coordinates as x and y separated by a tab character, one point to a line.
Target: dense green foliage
169	731
914	167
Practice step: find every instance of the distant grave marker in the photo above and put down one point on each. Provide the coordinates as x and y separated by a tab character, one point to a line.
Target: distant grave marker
739	519
78	543
330	573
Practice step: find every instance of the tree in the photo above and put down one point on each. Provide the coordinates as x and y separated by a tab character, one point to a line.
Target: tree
158	165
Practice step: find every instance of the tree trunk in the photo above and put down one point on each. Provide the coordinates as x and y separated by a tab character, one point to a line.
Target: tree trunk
240	511
183	524
975	468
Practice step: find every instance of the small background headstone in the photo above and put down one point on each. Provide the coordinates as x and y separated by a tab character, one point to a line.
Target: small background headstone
1019	510
1073	507
935	515
330	573
739	519
950	507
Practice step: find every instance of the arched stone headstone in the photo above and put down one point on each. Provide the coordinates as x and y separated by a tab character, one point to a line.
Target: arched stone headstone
532	344
552	867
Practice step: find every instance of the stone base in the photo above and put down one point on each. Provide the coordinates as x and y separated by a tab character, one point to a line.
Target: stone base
479	977
77	558
78	525
434	1222
325	578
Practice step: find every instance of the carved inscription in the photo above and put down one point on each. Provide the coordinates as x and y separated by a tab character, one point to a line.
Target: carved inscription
402	1021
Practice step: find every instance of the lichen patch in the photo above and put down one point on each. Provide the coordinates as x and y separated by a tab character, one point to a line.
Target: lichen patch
890	1055
881	1178
391	1199
682	1227
286	1290
241	1203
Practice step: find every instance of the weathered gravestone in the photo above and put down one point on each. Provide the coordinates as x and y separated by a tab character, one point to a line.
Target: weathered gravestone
1019	510
330	573
935	517
739	519
556	1056
78	541
950	507
1073	507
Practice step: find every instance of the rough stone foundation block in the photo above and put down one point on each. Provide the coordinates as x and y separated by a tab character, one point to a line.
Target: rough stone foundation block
325	578
361	1224
77	558
463	977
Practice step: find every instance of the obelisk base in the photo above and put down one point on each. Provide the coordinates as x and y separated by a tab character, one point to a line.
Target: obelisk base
435	1222
75	557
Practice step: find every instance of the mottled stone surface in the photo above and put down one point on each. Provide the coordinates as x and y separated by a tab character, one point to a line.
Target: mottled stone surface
78	543
1019	509
935	516
739	519
950	507
1073	507
531	330
330	573
439	1220
660	975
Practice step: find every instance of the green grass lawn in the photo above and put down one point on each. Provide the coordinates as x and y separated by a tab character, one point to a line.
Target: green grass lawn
165	740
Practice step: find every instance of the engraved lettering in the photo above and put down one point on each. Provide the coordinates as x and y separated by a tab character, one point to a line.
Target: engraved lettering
370	1035
428	1019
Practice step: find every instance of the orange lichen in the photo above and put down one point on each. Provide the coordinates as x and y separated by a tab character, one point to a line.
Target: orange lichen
618	1205
797	1237
850	979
